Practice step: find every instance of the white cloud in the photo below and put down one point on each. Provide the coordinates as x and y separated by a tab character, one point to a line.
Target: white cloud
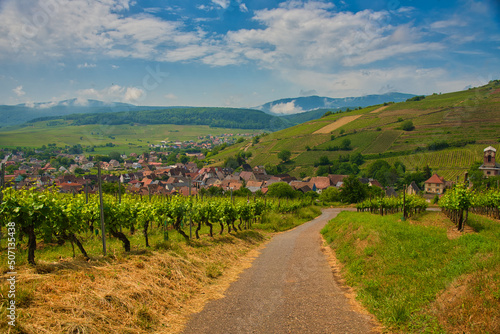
86	65
47	105
405	79
115	67
89	27
222	3
114	93
170	96
310	35
243	8
19	91
286	108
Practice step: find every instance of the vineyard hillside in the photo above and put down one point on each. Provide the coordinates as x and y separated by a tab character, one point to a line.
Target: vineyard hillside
448	132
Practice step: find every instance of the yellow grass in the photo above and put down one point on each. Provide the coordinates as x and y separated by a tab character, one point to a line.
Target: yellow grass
148	291
337	124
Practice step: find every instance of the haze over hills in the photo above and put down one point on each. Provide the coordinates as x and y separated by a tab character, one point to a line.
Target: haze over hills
297	105
21	113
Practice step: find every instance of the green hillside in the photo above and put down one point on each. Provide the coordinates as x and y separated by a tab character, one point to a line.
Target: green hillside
126	138
450	132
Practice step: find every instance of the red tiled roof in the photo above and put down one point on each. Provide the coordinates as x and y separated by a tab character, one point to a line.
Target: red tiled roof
435	179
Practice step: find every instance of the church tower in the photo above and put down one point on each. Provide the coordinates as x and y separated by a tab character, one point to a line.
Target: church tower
490	167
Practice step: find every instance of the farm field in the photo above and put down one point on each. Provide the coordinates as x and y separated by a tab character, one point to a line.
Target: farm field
127	138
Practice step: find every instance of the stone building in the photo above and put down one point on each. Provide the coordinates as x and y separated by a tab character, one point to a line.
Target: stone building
490	167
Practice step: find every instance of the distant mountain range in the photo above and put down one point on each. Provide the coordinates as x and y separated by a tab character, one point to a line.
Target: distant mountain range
297	105
21	113
294	110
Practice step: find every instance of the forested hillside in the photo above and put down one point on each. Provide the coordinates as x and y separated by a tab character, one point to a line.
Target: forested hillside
213	117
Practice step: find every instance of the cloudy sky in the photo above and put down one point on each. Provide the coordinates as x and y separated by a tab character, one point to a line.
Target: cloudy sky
242	53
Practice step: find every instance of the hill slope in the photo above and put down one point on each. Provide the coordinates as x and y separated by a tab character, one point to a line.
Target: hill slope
21	113
465	122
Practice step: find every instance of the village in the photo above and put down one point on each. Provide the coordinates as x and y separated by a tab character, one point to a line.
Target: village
146	174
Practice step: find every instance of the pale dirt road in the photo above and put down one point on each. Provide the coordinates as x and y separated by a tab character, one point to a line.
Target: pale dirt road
337	124
290	288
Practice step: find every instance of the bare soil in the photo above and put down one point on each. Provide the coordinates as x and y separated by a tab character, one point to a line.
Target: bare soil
337	124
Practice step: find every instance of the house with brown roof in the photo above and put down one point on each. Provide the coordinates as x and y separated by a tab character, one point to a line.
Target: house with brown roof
248	176
435	185
321	183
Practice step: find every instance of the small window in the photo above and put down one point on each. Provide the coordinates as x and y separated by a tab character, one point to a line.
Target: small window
489	158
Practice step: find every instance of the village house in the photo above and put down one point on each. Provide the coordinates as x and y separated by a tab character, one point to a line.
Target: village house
321	183
435	185
490	167
413	189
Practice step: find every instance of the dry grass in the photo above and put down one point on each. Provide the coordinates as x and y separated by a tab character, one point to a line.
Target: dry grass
154	291
471	304
337	124
439	220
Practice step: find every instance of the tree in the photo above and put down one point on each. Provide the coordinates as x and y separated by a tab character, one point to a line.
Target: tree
346	145
427	172
407	126
357	158
281	190
330	194
353	190
116	156
284	155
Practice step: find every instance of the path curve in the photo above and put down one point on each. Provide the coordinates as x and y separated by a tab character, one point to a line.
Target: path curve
290	288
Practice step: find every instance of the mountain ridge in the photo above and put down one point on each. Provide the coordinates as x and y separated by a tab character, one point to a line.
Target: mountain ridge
25	112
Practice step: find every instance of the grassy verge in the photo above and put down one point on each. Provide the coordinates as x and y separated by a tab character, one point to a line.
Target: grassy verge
146	290
415	277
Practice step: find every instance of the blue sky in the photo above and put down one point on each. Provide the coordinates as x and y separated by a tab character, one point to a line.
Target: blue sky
242	53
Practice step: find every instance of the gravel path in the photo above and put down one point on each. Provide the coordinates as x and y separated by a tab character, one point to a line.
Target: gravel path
290	288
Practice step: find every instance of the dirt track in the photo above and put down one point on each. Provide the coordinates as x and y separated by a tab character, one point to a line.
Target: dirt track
290	288
337	124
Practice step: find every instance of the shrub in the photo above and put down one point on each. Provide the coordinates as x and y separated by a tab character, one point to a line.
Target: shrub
407	126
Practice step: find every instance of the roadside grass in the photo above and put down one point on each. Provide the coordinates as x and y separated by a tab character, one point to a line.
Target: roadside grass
145	290
276	222
402	269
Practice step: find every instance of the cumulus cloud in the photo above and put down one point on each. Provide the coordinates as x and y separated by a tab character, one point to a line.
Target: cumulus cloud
405	79
56	28
114	93
288	108
310	35
19	91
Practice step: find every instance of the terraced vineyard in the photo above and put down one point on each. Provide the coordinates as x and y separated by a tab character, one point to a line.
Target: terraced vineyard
470	115
383	142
